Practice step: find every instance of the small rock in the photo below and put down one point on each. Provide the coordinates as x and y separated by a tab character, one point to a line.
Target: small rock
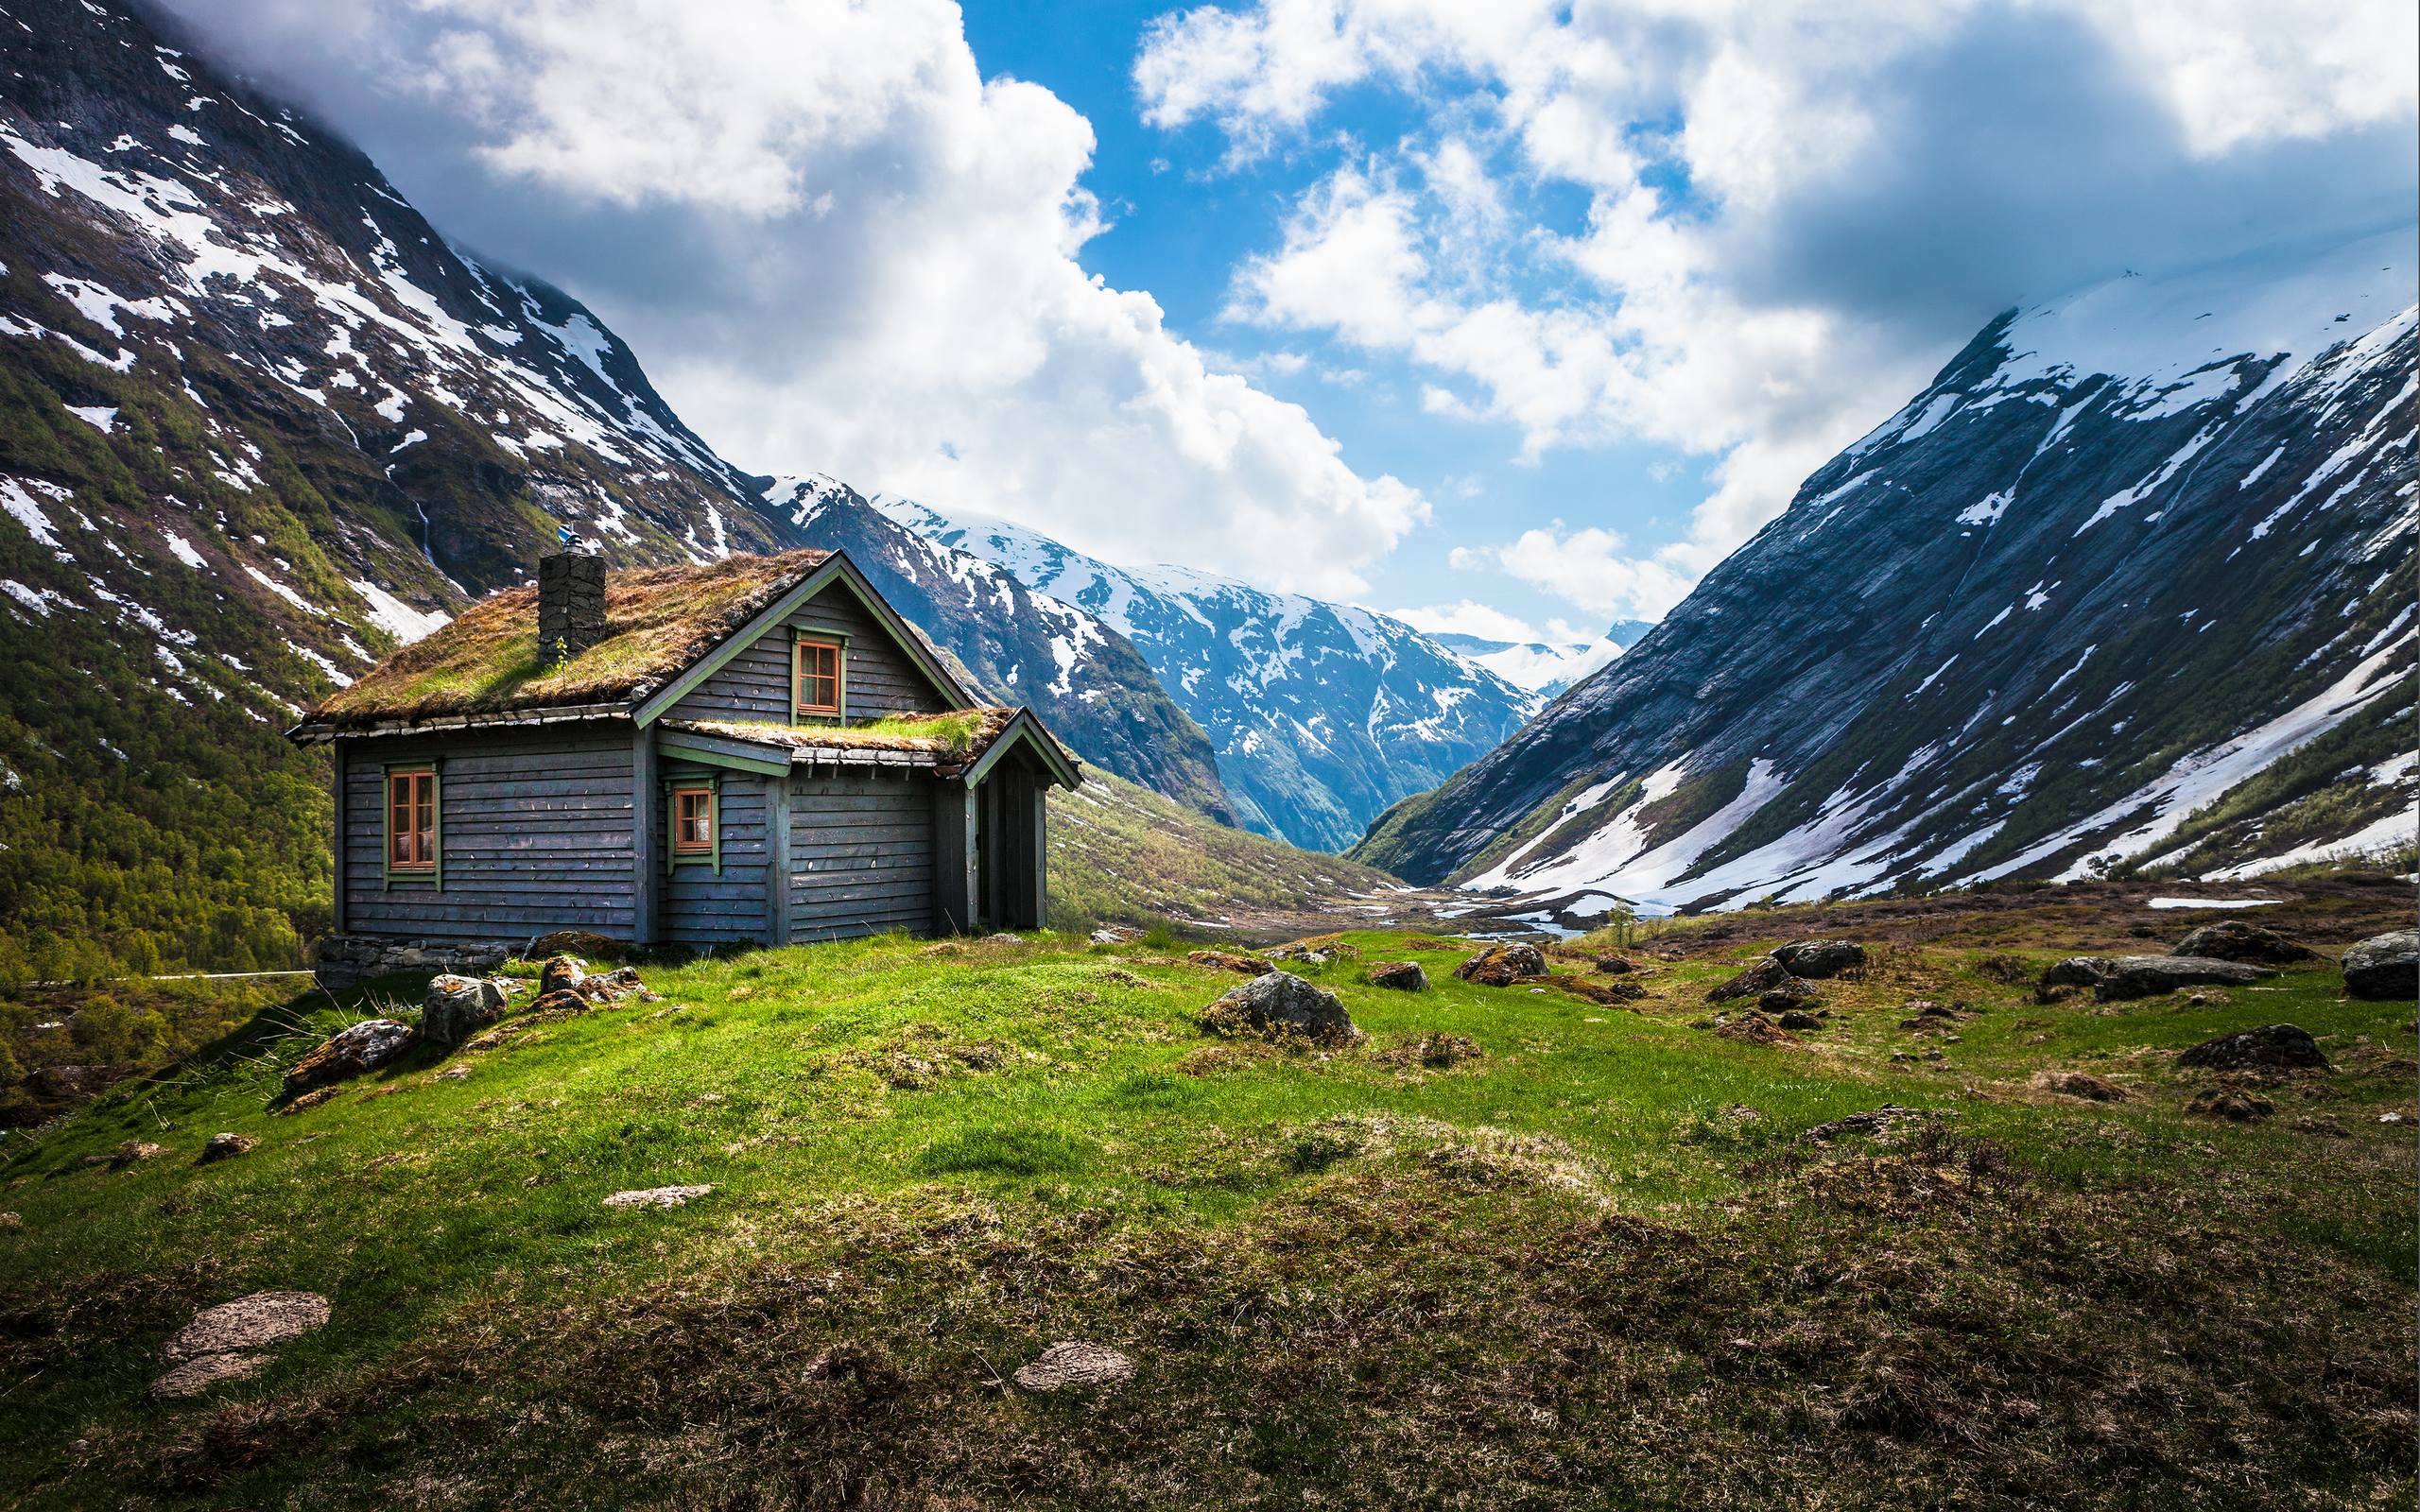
1799	1019
560	972
1002	939
1792	994
226	1147
1761	978
1754	1028
1742	1113
249	1323
2078	1084
456	1008
1872	1120
2274	1047
1615	965
1231	961
1073	1363
11	1220
2326	1125
1115	934
656	1197
454	1073
198	1375
1503	965
1935	1055
349	1052
134	1150
1403	976
575	943
1283	1003
2236	939
1820	958
2235	1106
2385	967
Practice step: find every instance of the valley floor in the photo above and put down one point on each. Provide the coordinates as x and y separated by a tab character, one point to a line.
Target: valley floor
1521	1247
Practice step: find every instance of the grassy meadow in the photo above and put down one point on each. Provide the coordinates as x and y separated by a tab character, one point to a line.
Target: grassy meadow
1520	1248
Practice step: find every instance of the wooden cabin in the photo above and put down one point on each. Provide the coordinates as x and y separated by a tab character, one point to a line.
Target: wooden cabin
759	750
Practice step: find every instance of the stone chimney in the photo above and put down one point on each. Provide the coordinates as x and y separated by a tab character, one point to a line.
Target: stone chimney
571	603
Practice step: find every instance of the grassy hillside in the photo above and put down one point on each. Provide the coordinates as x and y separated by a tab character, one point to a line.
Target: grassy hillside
1520	1248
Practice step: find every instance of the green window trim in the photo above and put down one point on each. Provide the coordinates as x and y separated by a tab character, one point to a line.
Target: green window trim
673	855
799	640
412	876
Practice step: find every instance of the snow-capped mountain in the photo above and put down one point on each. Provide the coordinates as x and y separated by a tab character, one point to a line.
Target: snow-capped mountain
2128	584
1322	713
1545	667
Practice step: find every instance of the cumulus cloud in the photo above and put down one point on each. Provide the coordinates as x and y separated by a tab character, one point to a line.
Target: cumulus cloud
1794	210
1467	617
837	247
1592	567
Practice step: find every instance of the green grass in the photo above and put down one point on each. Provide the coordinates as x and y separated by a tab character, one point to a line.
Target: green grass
1565	1273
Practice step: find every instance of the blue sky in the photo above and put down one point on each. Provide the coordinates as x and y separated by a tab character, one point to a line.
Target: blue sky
1513	316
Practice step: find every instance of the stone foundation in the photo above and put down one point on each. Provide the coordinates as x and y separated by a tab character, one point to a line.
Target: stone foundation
346	960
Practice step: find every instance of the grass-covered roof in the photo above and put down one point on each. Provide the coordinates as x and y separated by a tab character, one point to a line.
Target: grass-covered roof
658	621
954	740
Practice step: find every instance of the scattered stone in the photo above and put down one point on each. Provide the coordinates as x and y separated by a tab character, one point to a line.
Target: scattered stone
2326	1125
1231	961
1615	965
2273	1047
1872	1120
1755	1029
349	1052
2385	967
1792	994
1742	1113
1799	1019
1755	981
2122	978
196	1376
1281	1003
2236	939
585	943
1503	965
1115	934
560	972
249	1323
1002	939
1074	1363
456	1008
11	1220
131	1152
226	1147
1820	958
1605	994
2233	1106
2078	1084
454	1073
1403	976
307	1101
614	986
656	1197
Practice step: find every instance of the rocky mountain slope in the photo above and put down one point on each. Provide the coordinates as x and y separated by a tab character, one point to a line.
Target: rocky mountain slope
1322	713
258	424
2129	585
1546	667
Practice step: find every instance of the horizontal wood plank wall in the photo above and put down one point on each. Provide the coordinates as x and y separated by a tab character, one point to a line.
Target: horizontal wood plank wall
702	908
536	835
755	683
861	855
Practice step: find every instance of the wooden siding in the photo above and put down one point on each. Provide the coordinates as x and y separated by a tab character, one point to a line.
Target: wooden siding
700	906
536	835
755	683
861	855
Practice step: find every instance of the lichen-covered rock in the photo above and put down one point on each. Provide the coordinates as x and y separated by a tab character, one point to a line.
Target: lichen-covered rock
1763	977
349	1052
249	1323
1402	976
1231	961
1281	1002
2237	940
1503	965
560	972
226	1148
456	1008
2272	1047
1820	958
1074	1363
2385	967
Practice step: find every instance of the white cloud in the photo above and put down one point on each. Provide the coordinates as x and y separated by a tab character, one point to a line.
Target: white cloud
1466	617
1590	568
837	247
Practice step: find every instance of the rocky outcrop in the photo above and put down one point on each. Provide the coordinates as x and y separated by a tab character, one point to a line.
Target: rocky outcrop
2123	978
1402	976
1503	965
2236	939
1281	1002
349	1052
2274	1047
2385	967
1817	959
1765	976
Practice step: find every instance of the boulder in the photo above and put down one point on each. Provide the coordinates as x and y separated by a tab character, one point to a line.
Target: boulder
1403	976
2123	978
560	972
1798	1019
2078	1084
1231	961
1615	965
2275	1047
2077	970
1283	1002
575	943
456	1008
1784	995
2385	967
249	1323
349	1052
1820	958
2234	1106
226	1147
1074	1363
1761	978
2234	939
1503	965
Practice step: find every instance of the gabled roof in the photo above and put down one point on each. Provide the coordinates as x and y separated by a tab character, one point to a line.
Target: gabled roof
666	627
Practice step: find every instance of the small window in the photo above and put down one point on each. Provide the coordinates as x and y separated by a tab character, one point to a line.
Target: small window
818	678
411	821
693	821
